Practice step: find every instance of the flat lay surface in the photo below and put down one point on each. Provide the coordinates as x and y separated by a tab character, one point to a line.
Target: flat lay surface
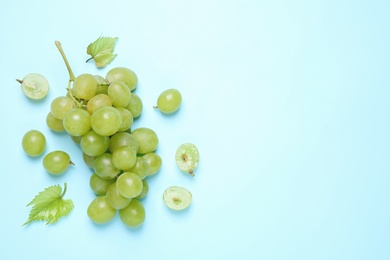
286	101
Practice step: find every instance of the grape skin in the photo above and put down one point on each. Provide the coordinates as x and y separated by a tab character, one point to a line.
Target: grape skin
34	143
169	101
56	162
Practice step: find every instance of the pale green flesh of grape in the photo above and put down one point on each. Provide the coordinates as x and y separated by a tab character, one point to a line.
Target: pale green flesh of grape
35	86
177	198
187	157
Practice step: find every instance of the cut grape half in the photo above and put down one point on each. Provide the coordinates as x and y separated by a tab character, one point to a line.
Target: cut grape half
34	86
177	198
187	158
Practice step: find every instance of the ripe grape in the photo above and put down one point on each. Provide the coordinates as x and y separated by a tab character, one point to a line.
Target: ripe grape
177	198
141	167
129	184
123	139
100	210
34	86
104	168
77	122
147	139
169	101
84	86
119	94
154	162
56	162
124	158
98	101
94	144
60	106
34	143
124	75
187	157
116	200
133	215
145	190
135	105
127	119
106	121
54	123
98	185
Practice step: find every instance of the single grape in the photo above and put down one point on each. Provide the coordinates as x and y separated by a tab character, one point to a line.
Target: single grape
34	86
102	84
84	86
177	198
124	75
88	160
56	162
116	200
187	158
60	106
76	139
98	101
154	161
119	94
135	105
124	158
94	144
100	211
98	185
123	139
169	101
34	143
127	119
106	121
141	167
104	168
145	190
129	184
133	215
147	139
77	122
54	123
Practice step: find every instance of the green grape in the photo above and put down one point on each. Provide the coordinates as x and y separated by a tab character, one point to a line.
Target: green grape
116	200
124	158
177	198
84	86
147	139
77	122
88	160
102	84
34	143
187	158
76	139
169	101
127	119
34	86
94	144
98	185
124	75
54	123
106	121
98	101
145	190
56	162
100	211
154	162
104	168
133	215
119	94
141	167
60	106
135	105
129	184
123	139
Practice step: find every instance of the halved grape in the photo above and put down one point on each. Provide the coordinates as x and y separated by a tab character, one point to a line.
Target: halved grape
177	198
34	86
187	158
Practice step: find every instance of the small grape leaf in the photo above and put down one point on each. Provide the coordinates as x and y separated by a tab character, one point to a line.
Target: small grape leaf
102	50
49	205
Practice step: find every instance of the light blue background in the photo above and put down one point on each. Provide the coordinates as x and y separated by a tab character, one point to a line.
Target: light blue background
287	101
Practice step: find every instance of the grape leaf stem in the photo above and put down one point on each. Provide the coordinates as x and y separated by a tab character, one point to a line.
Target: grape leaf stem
64	191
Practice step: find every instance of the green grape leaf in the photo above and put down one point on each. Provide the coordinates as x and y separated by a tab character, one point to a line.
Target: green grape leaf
102	50
49	205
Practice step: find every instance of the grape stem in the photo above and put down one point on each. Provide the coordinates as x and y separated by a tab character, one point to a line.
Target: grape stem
63	193
71	75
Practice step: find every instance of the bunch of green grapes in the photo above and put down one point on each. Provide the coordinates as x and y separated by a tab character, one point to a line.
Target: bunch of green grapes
98	113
